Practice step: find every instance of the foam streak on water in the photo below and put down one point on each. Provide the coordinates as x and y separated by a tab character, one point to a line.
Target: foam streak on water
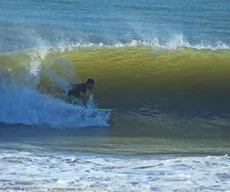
40	172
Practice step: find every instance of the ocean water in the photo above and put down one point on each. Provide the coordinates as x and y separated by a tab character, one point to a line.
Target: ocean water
163	65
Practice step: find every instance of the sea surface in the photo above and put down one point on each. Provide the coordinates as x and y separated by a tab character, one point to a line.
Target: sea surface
163	65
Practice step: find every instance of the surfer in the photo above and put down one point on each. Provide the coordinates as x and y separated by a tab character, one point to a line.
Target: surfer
79	92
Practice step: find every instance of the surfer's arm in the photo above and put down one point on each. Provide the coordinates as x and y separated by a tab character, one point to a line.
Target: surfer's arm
83	98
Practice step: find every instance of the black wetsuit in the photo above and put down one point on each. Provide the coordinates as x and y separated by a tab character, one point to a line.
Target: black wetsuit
75	91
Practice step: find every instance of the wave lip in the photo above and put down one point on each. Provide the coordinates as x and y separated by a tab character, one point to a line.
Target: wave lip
175	42
172	42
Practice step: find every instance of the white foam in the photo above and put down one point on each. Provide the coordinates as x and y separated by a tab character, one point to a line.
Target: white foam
33	172
24	104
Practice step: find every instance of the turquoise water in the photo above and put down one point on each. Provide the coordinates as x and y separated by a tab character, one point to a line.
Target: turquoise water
164	65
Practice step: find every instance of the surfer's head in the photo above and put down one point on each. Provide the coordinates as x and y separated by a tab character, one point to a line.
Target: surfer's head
90	83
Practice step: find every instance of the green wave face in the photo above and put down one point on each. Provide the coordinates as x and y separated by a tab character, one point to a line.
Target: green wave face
153	89
133	77
139	76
